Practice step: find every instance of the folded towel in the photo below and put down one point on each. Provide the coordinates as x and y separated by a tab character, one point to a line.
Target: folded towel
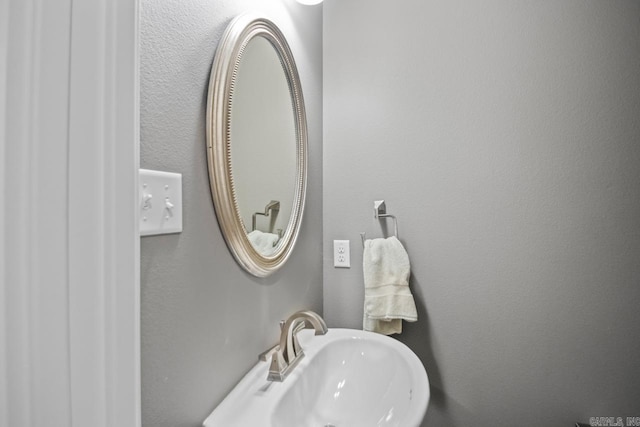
387	297
264	243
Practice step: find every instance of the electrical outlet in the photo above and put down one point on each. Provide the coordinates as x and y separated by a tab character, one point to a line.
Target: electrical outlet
341	255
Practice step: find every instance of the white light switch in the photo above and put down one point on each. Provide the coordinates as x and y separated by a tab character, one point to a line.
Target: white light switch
160	202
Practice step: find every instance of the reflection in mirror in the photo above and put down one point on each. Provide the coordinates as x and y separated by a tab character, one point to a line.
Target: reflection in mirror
263	153
265	242
256	144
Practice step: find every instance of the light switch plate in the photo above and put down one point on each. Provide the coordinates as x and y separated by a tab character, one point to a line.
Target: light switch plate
160	202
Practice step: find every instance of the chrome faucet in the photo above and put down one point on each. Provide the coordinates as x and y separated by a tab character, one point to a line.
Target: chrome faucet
286	355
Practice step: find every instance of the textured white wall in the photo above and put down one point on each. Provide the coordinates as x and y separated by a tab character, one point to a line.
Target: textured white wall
204	320
505	136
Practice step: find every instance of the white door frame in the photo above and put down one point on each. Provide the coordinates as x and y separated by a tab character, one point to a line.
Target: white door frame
69	245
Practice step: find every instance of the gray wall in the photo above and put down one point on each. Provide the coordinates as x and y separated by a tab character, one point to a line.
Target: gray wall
505	135
204	320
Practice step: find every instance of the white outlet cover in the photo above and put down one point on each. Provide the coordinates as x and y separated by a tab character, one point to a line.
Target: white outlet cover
341	254
160	207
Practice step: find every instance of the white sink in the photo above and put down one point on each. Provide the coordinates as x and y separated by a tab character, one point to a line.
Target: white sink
348	378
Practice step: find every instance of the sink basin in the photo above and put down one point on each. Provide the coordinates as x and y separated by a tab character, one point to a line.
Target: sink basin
348	378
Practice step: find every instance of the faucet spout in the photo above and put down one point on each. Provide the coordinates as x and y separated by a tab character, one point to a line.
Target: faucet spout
289	351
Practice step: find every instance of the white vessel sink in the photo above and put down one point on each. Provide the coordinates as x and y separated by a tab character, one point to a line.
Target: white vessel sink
348	378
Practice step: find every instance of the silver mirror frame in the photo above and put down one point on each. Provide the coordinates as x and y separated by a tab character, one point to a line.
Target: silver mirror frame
221	85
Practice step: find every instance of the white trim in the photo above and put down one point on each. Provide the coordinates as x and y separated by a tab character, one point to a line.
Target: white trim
104	284
69	297
4	38
35	193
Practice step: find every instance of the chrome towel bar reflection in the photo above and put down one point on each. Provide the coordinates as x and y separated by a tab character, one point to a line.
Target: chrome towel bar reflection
380	211
273	205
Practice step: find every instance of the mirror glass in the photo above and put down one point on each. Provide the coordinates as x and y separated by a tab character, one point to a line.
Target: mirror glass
256	144
263	149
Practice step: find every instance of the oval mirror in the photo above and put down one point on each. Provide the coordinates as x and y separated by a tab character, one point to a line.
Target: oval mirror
256	144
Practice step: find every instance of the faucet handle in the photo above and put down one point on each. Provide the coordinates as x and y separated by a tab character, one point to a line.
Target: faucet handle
277	367
297	348
267	353
293	348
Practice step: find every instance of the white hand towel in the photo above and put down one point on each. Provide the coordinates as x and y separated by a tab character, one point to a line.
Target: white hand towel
264	243
387	297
